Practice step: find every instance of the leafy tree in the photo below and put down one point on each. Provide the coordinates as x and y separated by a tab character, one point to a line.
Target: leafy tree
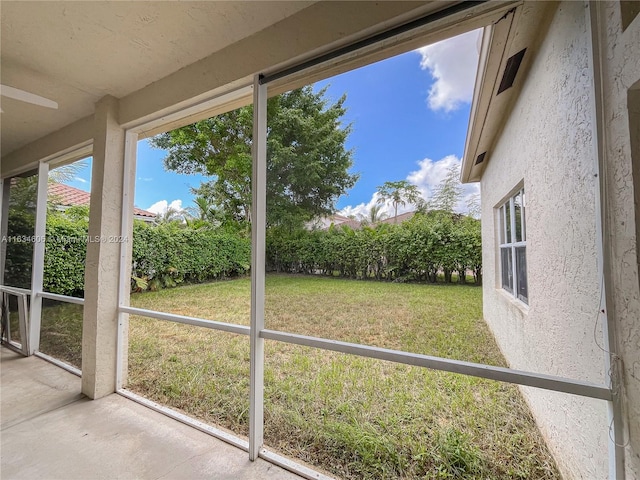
307	162
400	193
447	194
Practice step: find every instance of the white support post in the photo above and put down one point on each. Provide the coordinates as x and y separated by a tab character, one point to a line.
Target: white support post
258	230
37	275
126	233
100	321
611	361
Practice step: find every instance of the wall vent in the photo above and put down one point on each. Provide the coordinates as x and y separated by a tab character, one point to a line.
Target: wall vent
510	71
480	158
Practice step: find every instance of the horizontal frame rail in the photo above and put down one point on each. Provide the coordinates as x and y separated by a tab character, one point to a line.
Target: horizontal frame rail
530	379
14	290
198	322
375	39
61	298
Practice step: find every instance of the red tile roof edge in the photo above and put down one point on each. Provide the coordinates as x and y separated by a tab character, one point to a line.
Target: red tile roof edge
71	196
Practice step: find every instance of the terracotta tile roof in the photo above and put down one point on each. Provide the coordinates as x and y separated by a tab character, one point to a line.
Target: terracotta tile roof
349	222
70	196
337	218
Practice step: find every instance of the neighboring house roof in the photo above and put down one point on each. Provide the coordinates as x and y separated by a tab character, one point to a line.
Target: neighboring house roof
403	217
67	196
324	223
337	218
342	221
349	222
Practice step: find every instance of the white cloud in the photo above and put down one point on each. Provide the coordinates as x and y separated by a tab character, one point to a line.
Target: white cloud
145	179
80	179
453	64
361	209
431	172
162	206
428	175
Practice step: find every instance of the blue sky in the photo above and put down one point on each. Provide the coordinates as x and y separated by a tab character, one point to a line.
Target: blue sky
409	114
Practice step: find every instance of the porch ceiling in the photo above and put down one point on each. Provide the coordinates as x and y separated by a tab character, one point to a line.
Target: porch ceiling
77	52
162	58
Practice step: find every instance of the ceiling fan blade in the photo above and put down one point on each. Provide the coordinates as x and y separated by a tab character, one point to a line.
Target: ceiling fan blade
17	94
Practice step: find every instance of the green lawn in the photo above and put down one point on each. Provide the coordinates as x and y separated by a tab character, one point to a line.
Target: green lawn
350	416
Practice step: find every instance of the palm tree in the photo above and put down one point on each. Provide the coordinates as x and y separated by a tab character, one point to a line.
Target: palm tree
24	190
400	193
66	173
204	209
374	216
171	214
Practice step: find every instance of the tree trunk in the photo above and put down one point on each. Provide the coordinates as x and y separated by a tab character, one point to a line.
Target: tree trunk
462	276
447	275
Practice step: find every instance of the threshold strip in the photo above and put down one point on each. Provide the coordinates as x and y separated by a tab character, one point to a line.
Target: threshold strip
13	346
530	379
59	363
292	466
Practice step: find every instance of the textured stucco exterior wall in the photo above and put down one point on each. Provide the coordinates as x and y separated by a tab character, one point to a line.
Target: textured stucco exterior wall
621	71
100	324
547	144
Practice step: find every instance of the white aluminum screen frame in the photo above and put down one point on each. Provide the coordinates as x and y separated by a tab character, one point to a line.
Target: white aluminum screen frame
22	298
258	334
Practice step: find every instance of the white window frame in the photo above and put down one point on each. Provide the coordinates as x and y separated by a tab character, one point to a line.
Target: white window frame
507	241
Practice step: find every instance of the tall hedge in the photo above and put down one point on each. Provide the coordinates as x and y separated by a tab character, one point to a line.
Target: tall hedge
419	250
163	256
423	249
65	255
169	254
19	248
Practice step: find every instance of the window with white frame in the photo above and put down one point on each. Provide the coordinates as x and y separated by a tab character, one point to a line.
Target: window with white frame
513	246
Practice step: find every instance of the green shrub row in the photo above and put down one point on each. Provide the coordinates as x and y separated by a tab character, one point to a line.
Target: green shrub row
163	256
19	251
169	254
65	255
425	248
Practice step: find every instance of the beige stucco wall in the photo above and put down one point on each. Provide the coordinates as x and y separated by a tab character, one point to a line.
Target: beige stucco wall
547	143
621	71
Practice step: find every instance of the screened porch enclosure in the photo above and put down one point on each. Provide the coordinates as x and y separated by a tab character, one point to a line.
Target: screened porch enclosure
100	355
256	333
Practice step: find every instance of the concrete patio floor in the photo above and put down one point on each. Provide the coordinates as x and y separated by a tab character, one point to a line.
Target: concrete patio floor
50	431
